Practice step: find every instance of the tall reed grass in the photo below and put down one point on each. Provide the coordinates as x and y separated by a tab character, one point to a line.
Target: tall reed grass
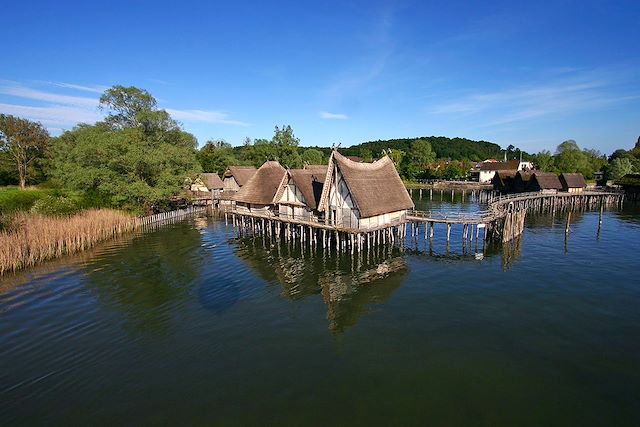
34	238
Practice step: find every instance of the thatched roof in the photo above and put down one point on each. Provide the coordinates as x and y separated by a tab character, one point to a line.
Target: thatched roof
525	176
572	180
310	182
630	179
500	166
242	174
376	188
212	181
547	180
262	187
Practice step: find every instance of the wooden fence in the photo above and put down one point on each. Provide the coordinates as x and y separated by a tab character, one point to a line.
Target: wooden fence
168	217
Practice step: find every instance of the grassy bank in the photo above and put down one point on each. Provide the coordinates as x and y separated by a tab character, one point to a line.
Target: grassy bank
33	238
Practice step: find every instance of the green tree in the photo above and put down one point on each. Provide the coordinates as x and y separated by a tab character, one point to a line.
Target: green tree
131	107
421	154
366	155
312	156
620	167
25	141
454	171
544	161
286	147
569	158
396	156
216	156
124	161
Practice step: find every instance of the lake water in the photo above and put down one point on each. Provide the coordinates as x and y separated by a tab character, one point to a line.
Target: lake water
191	325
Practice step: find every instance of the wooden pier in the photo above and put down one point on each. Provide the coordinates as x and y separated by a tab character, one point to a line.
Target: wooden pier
504	219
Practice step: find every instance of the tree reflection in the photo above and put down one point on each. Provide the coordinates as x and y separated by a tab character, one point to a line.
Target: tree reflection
149	279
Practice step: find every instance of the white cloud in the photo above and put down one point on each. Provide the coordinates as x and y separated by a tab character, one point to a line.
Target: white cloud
203	116
94	89
53	115
579	92
54	109
332	116
24	92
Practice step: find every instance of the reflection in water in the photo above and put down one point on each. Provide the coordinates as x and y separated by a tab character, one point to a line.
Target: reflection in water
143	278
348	284
511	252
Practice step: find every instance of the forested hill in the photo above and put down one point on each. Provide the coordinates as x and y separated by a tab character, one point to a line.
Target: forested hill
445	148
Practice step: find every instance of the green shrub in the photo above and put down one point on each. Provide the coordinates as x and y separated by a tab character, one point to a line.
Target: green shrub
54	206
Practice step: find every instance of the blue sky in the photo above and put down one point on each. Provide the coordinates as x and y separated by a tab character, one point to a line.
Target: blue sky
531	74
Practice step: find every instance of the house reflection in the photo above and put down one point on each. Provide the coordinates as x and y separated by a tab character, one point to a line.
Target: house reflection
349	284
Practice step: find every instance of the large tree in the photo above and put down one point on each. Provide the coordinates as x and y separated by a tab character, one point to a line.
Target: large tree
216	156
422	154
137	157
24	140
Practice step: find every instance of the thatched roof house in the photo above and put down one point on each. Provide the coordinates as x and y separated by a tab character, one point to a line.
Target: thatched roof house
544	181
300	192
212	181
503	181
237	176
363	195
630	183
573	182
261	189
206	182
521	181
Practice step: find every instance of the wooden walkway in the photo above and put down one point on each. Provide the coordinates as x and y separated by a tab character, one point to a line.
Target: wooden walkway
505	216
503	220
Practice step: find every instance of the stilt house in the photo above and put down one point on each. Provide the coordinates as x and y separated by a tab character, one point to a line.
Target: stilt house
363	196
573	182
208	182
503	181
237	176
544	181
300	193
259	193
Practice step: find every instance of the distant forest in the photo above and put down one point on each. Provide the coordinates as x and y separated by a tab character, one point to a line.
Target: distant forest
444	148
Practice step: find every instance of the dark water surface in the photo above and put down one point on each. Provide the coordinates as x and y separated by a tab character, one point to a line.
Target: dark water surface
191	325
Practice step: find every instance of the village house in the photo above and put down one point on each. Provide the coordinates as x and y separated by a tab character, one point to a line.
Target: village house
208	182
363	196
573	182
237	176
630	183
504	181
545	182
489	169
259	193
300	193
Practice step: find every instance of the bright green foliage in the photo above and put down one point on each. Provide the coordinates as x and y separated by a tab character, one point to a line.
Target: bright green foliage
544	161
621	167
283	147
312	156
366	155
12	199
138	157
569	158
54	206
216	156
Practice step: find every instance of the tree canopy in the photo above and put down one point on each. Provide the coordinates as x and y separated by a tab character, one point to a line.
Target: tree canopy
137	157
25	141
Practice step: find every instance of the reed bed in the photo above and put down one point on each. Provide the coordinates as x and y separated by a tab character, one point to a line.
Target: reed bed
36	238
